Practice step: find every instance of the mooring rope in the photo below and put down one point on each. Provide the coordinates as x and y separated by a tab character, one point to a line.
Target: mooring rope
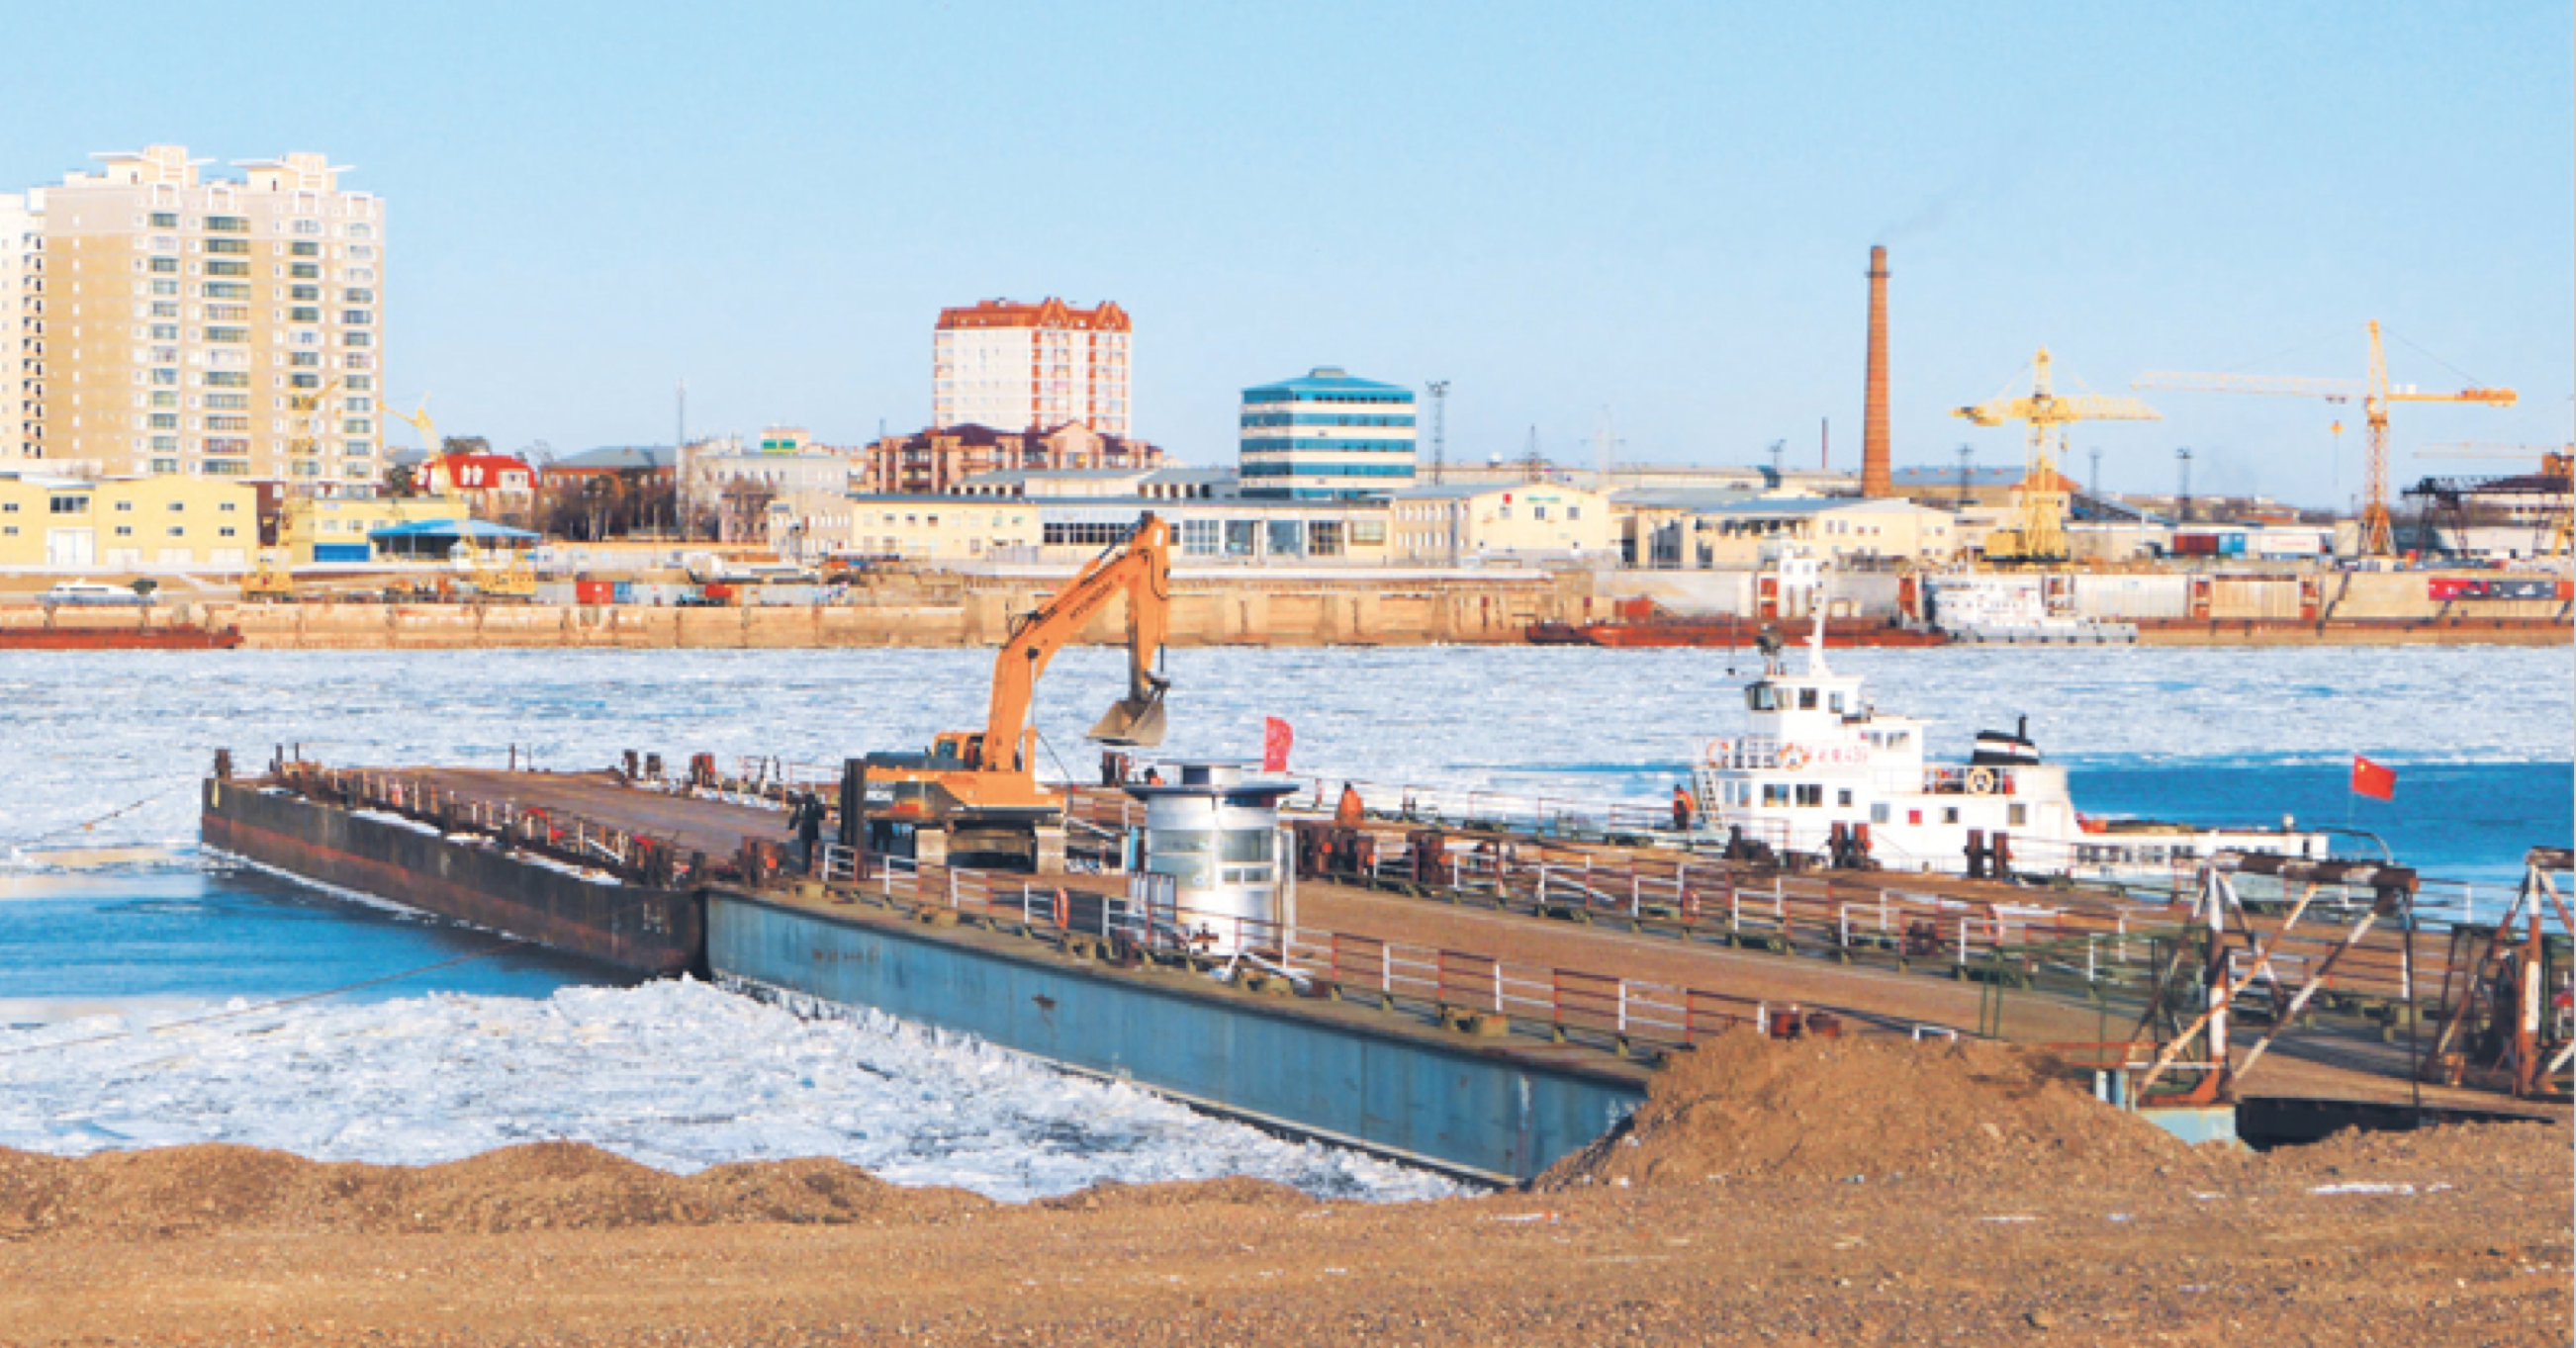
112	814
234	1013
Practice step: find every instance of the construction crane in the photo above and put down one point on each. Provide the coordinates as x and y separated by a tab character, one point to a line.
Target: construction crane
977	790
420	422
2551	491
2038	532
2378	539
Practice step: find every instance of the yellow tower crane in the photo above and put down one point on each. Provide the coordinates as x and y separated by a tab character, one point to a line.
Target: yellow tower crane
2378	539
2038	532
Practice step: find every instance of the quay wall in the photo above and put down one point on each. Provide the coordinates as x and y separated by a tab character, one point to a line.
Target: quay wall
2358	608
649	931
1314	1069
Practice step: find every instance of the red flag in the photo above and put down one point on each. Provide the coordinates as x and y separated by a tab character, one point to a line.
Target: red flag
2372	780
1275	739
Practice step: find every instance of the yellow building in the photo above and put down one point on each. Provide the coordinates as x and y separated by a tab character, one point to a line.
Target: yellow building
127	524
329	530
1534	521
935	528
177	325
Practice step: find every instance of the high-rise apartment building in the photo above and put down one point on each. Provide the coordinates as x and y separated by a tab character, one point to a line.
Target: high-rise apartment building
1018	367
166	322
1327	436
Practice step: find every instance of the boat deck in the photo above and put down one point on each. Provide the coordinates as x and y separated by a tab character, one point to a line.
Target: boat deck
1588	938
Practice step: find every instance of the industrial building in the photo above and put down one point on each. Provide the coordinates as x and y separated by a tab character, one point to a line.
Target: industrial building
1696	531
1021	366
1523	521
166	323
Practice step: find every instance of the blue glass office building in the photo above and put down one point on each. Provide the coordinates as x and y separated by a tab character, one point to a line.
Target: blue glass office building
1327	437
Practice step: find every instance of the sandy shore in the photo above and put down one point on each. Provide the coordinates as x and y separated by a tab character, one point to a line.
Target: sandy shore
1753	1202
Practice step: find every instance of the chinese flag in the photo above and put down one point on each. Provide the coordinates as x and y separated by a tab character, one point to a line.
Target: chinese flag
2372	780
1275	739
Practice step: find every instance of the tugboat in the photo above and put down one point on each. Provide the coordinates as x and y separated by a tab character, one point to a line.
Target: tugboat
1821	771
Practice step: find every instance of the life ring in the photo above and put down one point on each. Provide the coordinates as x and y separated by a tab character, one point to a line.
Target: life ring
1981	781
1792	758
1720	753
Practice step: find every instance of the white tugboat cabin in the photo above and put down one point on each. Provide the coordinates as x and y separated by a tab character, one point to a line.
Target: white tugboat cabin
1818	761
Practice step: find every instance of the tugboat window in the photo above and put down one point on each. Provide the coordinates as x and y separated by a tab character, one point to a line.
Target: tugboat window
1806	699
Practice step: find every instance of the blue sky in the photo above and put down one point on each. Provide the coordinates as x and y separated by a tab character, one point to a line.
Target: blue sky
1658	214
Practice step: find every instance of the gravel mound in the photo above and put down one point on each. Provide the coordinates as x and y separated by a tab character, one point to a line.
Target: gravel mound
1741	1107
543	1186
1231	1190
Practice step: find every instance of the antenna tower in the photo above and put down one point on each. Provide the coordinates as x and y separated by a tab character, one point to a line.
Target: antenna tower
1966	453
2182	498
1439	428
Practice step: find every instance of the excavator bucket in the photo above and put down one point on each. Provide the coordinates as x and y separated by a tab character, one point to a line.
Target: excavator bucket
1133	721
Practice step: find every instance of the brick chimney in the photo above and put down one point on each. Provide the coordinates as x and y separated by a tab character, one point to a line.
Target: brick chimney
1875	477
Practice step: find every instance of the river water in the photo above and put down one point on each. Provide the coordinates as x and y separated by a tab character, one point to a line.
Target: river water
112	922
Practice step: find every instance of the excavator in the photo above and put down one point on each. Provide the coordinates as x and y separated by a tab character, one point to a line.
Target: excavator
974	798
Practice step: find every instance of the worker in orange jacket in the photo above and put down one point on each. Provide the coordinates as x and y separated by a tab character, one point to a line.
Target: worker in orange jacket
1683	808
1349	813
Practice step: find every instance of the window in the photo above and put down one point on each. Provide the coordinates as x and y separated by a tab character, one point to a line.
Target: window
1201	538
304	315
301	249
1843	797
1878	812
358	296
356	317
304	271
1810	795
67	505
304	292
227	269
1324	538
2017	815
177	531
227	245
1287	538
125	531
125	507
1775	793
165	220
227	224
165	264
1950	814
227	379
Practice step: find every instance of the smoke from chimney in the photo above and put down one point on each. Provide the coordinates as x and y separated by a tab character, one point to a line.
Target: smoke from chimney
1876	479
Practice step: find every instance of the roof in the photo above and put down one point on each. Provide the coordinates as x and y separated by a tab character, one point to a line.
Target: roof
1018	476
1460	491
1990	475
620	457
489	463
1046	313
1787	507
1329	379
1186	473
1681	498
451	529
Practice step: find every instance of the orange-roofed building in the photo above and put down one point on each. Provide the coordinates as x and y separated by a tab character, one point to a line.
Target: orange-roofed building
1026	366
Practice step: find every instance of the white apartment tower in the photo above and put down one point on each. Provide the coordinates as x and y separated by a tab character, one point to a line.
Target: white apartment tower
161	322
1017	367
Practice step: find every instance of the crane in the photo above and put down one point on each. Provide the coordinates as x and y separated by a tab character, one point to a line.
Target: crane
2375	392
2038	533
2553	514
979	787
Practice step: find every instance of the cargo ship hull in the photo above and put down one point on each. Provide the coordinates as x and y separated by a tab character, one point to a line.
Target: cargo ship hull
1732	633
119	638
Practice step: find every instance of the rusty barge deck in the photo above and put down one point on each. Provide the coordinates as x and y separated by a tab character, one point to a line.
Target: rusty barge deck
1584	958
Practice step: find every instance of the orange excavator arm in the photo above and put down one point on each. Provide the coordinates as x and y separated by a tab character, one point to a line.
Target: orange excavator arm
1141	569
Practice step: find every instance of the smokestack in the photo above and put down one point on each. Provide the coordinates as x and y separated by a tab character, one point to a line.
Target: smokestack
1875	478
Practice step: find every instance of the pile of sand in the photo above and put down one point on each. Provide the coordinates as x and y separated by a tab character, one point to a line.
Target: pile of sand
1741	1107
551	1185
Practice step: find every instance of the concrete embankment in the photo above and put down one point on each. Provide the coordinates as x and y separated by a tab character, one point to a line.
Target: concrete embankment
2343	609
1248	613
